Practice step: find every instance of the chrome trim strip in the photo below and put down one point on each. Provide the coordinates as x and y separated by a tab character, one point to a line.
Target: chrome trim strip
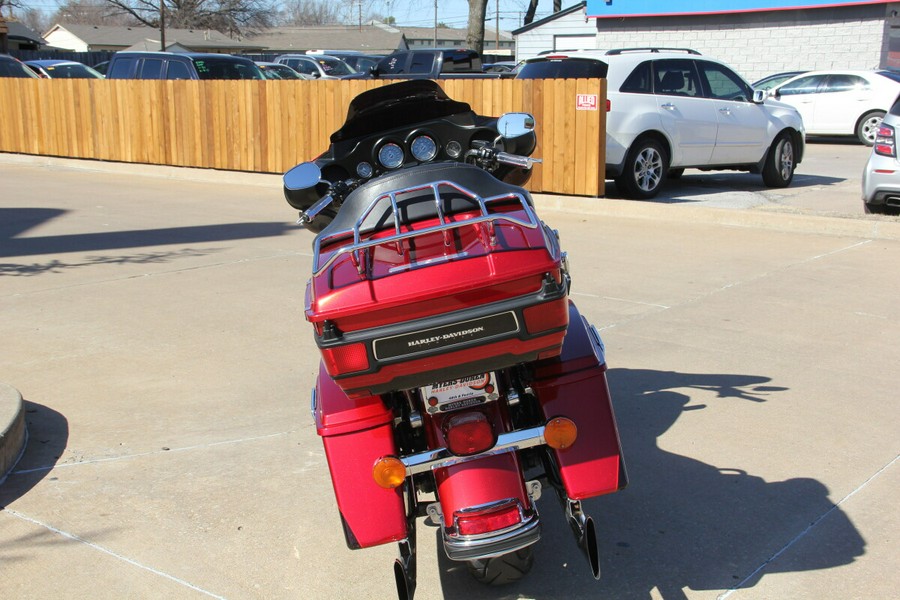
441	457
526	534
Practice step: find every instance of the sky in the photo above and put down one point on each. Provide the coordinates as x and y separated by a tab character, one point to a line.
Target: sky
420	13
455	13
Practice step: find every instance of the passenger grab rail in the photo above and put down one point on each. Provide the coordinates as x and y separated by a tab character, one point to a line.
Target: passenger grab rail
486	220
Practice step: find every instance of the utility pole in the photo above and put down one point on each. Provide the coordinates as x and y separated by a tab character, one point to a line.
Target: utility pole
497	26
435	23
162	25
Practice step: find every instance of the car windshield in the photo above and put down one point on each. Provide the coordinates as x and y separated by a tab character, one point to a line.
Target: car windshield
223	68
71	71
12	68
567	68
334	66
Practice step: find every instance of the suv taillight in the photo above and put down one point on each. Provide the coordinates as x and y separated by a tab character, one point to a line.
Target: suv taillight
885	143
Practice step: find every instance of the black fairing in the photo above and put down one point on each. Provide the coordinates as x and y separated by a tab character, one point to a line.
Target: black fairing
395	113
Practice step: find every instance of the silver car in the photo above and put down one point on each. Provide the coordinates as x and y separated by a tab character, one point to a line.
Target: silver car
881	177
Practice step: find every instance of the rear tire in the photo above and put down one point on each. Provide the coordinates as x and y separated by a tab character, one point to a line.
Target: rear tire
867	127
645	169
504	569
778	170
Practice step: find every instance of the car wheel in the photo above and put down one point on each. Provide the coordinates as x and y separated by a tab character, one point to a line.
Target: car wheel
868	125
778	170
646	167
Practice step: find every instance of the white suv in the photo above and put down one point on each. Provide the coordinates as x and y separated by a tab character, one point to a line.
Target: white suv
669	109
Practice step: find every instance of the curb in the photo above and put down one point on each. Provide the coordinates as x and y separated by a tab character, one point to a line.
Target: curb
774	219
12	429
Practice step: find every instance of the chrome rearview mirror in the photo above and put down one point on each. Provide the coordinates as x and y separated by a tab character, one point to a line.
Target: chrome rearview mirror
512	125
759	96
303	176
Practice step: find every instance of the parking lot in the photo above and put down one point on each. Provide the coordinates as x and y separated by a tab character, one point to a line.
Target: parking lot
153	324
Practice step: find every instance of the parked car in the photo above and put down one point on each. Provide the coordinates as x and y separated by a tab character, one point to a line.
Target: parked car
13	67
62	69
358	61
881	176
846	103
278	71
671	109
502	66
171	65
101	67
770	81
320	66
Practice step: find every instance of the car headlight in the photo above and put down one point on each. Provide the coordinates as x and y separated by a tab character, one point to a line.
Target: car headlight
390	156
423	148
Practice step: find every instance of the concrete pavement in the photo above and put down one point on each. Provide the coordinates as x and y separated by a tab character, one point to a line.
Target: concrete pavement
154	328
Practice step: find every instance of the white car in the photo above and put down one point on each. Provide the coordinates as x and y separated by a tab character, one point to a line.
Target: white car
671	109
848	103
881	175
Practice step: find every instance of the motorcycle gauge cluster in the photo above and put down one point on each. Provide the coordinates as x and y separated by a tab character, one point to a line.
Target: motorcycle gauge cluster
454	149
364	170
390	156
423	148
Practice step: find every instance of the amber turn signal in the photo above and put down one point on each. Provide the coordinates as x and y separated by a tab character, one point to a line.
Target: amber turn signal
560	433
389	472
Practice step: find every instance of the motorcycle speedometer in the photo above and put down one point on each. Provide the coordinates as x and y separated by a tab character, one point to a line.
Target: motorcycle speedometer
390	156
423	148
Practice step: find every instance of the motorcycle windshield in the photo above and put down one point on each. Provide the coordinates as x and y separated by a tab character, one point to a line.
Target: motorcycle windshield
397	105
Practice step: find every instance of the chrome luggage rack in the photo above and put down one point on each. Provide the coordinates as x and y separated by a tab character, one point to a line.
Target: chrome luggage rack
486	220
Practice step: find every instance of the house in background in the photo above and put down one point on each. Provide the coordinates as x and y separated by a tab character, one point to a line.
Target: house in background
91	38
21	37
367	38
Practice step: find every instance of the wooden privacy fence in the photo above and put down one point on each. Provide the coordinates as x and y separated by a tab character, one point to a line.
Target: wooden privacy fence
269	126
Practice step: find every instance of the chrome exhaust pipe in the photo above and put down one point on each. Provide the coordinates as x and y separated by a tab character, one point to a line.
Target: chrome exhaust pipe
585	535
405	571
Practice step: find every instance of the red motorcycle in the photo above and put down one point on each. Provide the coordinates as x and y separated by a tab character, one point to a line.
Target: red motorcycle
457	379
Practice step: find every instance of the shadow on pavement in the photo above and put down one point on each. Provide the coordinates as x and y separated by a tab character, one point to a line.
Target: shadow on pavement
48	436
688	187
682	524
16	221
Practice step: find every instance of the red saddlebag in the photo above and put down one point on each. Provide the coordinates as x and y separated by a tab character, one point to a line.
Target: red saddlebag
476	284
574	385
356	433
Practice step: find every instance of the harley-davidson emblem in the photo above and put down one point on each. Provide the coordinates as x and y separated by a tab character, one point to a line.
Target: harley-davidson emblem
446	337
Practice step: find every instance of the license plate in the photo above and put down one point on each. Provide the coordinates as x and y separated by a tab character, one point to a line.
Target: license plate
460	393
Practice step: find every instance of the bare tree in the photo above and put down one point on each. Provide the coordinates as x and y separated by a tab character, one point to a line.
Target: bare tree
532	8
7	7
88	12
475	35
233	17
310	12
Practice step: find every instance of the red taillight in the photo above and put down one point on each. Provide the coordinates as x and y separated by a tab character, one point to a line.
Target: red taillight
608	106
469	433
495	518
346	359
885	143
543	317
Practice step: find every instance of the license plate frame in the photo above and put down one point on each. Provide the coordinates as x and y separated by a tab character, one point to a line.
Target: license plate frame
457	394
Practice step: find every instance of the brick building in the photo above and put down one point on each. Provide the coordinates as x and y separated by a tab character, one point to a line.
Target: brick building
801	35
